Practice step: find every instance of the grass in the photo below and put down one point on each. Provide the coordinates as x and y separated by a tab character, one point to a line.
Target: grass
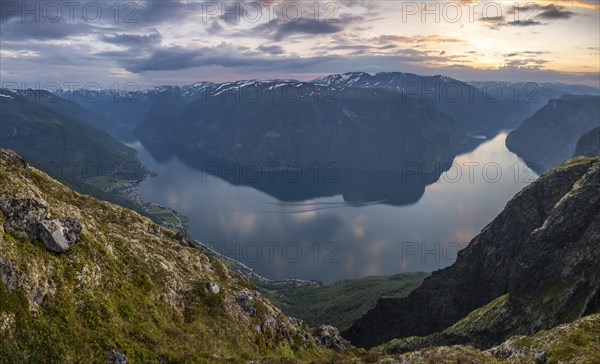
341	303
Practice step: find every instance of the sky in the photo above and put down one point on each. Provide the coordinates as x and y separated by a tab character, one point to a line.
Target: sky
117	44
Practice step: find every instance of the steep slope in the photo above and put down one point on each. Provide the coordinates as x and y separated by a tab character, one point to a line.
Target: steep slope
541	251
124	288
59	143
550	136
287	122
589	144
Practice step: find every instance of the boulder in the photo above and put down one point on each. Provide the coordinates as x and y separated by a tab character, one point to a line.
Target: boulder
58	235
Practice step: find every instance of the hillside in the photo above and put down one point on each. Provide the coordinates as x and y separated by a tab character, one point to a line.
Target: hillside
550	136
536	265
338	304
576	342
589	143
122	286
59	143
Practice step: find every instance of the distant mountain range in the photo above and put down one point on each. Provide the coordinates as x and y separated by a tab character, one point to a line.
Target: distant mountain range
481	107
357	121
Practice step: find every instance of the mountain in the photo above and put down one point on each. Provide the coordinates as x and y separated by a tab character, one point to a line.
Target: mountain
536	265
59	142
83	280
480	107
550	136
126	106
255	123
589	144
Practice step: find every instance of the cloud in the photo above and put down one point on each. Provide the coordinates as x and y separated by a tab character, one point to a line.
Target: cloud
281	29
223	55
274	49
433	38
524	23
134	40
552	12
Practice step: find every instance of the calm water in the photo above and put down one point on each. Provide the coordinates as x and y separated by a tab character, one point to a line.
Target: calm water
331	225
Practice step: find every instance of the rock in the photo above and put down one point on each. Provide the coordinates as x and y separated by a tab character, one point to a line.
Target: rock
540	358
12	159
213	287
58	235
21	215
115	357
270	326
330	337
184	239
246	302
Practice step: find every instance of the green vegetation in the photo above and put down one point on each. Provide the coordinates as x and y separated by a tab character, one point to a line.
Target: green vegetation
341	303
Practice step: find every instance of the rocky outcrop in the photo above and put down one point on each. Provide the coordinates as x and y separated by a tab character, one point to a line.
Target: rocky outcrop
541	251
330	337
28	217
550	136
23	215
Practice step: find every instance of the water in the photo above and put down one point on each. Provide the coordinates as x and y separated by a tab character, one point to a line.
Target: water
336	224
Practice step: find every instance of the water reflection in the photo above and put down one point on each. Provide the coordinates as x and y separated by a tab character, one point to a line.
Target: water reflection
292	184
363	224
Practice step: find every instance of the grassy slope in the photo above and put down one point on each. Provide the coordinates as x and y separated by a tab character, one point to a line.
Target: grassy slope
576	342
341	303
128	286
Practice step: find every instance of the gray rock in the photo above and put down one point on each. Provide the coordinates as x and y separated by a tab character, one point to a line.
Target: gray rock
115	357
58	235
540	358
21	215
270	326
246	302
13	159
330	337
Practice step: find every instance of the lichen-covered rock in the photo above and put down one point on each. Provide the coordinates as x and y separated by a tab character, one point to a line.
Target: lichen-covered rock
245	300
330	337
21	215
270	326
58	235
